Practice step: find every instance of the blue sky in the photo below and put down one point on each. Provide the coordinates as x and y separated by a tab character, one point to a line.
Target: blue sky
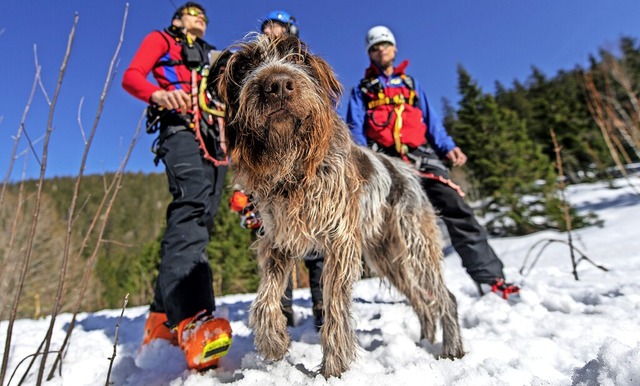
495	40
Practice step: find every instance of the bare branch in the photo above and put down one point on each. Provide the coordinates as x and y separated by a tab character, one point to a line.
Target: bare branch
84	138
70	217
36	214
115	242
17	137
89	264
44	91
7	270
115	340
89	141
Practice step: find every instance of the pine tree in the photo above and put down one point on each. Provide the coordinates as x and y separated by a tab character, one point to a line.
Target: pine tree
509	167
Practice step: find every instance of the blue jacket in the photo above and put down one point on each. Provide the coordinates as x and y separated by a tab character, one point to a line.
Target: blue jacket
437	136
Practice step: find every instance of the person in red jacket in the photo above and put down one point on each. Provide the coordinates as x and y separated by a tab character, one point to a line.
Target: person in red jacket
183	305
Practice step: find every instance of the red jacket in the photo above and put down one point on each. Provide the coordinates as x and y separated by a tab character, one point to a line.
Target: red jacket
157	48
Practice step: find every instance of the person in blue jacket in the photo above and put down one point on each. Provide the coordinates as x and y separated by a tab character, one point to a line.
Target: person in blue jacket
390	112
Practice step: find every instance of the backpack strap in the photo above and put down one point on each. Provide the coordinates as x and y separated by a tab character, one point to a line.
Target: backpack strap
170	63
411	85
373	86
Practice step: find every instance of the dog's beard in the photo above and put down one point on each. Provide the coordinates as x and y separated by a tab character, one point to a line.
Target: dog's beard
275	125
274	146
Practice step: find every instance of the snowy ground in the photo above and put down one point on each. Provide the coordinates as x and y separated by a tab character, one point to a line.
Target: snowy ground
560	332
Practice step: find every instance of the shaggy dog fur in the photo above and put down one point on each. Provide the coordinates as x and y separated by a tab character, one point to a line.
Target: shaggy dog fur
316	190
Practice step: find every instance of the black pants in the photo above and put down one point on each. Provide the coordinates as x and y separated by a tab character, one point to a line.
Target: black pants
314	263
468	237
185	283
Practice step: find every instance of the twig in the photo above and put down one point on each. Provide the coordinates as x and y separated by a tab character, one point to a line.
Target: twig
72	206
548	242
116	242
115	341
18	135
44	91
56	306
36	213
115	187
84	138
20	363
567	219
565	205
7	270
602	114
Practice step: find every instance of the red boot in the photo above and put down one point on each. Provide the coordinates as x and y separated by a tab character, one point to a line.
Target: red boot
499	287
204	339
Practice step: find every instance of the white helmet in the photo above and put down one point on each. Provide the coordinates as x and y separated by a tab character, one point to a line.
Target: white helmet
379	34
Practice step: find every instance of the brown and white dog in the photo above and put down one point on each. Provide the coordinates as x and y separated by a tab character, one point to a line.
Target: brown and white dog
316	190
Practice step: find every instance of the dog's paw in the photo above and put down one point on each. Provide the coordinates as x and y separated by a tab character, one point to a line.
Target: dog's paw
454	351
332	367
274	346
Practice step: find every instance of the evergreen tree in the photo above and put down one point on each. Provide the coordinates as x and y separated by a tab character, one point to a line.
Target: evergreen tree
509	167
558	103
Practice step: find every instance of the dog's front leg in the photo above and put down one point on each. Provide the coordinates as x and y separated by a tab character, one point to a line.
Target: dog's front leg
341	269
267	320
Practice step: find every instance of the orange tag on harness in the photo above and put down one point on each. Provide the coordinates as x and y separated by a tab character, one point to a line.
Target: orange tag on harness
238	201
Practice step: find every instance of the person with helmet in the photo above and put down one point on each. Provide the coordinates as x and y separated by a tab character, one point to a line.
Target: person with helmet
390	112
182	310
279	23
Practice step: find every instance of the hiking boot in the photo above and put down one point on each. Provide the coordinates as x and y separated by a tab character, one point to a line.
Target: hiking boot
288	313
499	286
318	316
157	327
204	340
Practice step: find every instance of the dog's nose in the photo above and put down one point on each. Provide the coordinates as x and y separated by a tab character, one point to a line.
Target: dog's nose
278	85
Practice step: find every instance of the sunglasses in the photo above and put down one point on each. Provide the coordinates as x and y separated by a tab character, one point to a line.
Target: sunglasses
380	46
192	11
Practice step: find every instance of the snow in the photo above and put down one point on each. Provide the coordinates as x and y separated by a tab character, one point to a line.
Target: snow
560	331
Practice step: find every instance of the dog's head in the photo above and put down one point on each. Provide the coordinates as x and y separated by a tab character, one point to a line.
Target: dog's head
280	102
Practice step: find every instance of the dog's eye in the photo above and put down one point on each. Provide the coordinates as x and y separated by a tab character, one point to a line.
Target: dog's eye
296	59
241	68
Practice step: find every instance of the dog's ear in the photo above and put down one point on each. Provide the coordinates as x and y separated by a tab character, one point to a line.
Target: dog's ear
327	78
223	83
228	92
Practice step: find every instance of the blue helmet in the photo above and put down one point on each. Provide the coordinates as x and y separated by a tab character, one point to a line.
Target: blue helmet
285	18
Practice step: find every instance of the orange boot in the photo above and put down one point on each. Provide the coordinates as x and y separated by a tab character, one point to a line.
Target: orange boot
157	327
204	339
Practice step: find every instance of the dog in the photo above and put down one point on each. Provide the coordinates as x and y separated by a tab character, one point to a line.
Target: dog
316	190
